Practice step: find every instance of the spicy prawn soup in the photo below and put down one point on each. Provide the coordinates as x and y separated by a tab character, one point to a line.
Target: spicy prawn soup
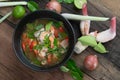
44	42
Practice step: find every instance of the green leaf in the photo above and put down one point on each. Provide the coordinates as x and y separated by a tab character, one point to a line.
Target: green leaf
100	48
55	42
64	69
32	6
48	25
38	47
71	65
30	30
68	1
76	75
57	24
60	1
30	34
35	61
80	72
62	35
88	40
76	72
46	41
29	27
39	27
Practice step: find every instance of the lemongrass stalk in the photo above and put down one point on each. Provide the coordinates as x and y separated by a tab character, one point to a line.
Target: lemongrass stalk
82	17
4	4
6	16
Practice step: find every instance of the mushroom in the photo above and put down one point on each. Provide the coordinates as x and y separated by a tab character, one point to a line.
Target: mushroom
108	34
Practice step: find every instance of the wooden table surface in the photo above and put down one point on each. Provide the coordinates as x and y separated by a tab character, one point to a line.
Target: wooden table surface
109	64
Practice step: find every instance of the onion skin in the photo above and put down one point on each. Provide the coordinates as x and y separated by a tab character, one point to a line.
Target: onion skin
91	62
54	5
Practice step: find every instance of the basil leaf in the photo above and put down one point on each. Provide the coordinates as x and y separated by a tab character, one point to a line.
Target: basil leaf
100	48
39	26
60	1
30	35
55	42
32	6
79	71
68	1
48	25
46	41
76	75
88	40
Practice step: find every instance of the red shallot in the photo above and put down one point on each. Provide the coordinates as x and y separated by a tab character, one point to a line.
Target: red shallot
91	62
54	5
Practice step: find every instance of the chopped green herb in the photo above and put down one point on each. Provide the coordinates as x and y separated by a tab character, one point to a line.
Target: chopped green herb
48	25
62	35
29	26
30	30
58	24
31	35
36	61
38	47
39	26
55	42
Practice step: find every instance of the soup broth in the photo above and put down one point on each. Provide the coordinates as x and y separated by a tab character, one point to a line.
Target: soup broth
44	42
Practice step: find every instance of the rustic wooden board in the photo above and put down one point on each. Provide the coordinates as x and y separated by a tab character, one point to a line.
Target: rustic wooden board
109	65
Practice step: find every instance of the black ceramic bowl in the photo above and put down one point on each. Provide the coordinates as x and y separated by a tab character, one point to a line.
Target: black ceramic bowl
32	17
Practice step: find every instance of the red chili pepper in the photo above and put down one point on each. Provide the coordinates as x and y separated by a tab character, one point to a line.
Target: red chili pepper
61	29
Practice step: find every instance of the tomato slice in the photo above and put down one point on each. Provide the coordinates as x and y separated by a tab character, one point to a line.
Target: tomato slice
49	58
67	39
33	43
56	32
35	51
29	41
